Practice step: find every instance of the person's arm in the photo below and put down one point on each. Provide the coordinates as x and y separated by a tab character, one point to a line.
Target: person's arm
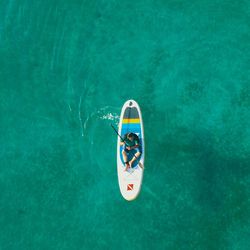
136	145
122	141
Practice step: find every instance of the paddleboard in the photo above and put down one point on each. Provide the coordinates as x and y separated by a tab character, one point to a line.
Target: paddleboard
130	181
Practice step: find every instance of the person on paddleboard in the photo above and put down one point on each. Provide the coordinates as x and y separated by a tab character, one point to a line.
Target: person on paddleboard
129	142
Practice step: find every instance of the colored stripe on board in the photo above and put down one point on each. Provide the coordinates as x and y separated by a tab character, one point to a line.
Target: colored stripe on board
130	130
137	120
131	125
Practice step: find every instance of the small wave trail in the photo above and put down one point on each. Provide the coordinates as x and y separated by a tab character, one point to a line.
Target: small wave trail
106	113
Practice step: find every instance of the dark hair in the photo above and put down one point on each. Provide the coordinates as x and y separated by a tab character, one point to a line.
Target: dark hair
130	135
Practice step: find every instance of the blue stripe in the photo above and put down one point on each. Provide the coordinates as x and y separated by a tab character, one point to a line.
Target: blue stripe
130	129
132	126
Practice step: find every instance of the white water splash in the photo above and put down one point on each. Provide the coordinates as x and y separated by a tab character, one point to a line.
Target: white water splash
110	116
105	114
102	114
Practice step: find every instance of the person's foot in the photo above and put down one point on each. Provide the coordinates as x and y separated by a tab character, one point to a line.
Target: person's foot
127	166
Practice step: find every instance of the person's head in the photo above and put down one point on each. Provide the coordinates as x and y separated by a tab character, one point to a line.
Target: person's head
130	136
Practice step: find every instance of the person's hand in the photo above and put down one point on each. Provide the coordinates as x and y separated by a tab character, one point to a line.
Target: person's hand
128	148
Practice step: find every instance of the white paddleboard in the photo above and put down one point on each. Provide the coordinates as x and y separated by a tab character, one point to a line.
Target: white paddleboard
130	181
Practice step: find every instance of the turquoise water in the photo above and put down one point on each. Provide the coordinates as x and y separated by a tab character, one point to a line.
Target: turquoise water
67	67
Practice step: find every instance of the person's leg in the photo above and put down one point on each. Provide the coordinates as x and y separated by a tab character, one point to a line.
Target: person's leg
137	155
125	158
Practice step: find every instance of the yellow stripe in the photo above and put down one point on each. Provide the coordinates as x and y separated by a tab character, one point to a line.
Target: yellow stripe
137	120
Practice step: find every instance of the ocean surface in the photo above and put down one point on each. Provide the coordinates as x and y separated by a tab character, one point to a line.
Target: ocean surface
66	69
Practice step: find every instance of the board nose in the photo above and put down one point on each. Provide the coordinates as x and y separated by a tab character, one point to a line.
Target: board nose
130	103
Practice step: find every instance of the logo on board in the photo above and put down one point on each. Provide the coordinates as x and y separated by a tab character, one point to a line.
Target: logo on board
130	187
